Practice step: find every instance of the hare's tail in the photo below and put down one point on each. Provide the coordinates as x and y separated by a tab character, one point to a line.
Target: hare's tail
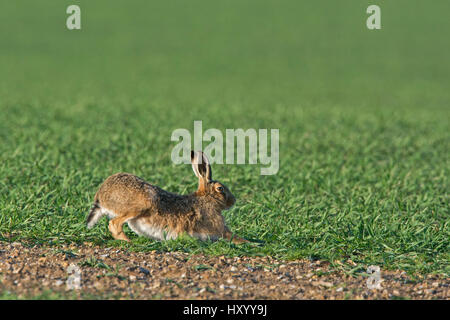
94	214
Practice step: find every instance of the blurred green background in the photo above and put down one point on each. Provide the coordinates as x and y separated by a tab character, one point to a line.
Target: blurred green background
363	118
290	52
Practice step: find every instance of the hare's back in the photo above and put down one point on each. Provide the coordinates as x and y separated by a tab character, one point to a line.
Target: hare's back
125	189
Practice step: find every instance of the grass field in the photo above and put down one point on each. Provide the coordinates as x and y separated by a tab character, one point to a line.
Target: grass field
363	119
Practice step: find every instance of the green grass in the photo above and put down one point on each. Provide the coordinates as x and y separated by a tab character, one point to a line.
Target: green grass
363	119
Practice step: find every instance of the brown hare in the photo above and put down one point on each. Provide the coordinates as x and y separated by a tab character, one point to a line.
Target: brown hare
153	212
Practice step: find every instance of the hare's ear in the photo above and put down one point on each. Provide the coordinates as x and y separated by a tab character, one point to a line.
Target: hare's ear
200	165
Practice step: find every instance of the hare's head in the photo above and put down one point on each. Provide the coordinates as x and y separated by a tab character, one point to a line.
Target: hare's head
215	190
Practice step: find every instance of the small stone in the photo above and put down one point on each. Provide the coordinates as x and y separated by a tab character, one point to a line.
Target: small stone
144	271
17	269
58	283
322	283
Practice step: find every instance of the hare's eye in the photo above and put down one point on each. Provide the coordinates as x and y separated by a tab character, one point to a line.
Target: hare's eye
220	189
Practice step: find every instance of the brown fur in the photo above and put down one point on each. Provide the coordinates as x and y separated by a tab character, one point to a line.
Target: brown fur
132	199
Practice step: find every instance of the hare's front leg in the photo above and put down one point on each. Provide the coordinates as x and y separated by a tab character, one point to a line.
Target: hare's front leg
233	238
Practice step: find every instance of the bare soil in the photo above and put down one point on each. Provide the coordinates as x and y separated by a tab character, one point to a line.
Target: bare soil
112	273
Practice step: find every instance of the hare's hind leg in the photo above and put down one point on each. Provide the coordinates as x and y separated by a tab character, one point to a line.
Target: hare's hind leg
116	224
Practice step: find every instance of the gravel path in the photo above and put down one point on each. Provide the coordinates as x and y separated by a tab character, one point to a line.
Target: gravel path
114	273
